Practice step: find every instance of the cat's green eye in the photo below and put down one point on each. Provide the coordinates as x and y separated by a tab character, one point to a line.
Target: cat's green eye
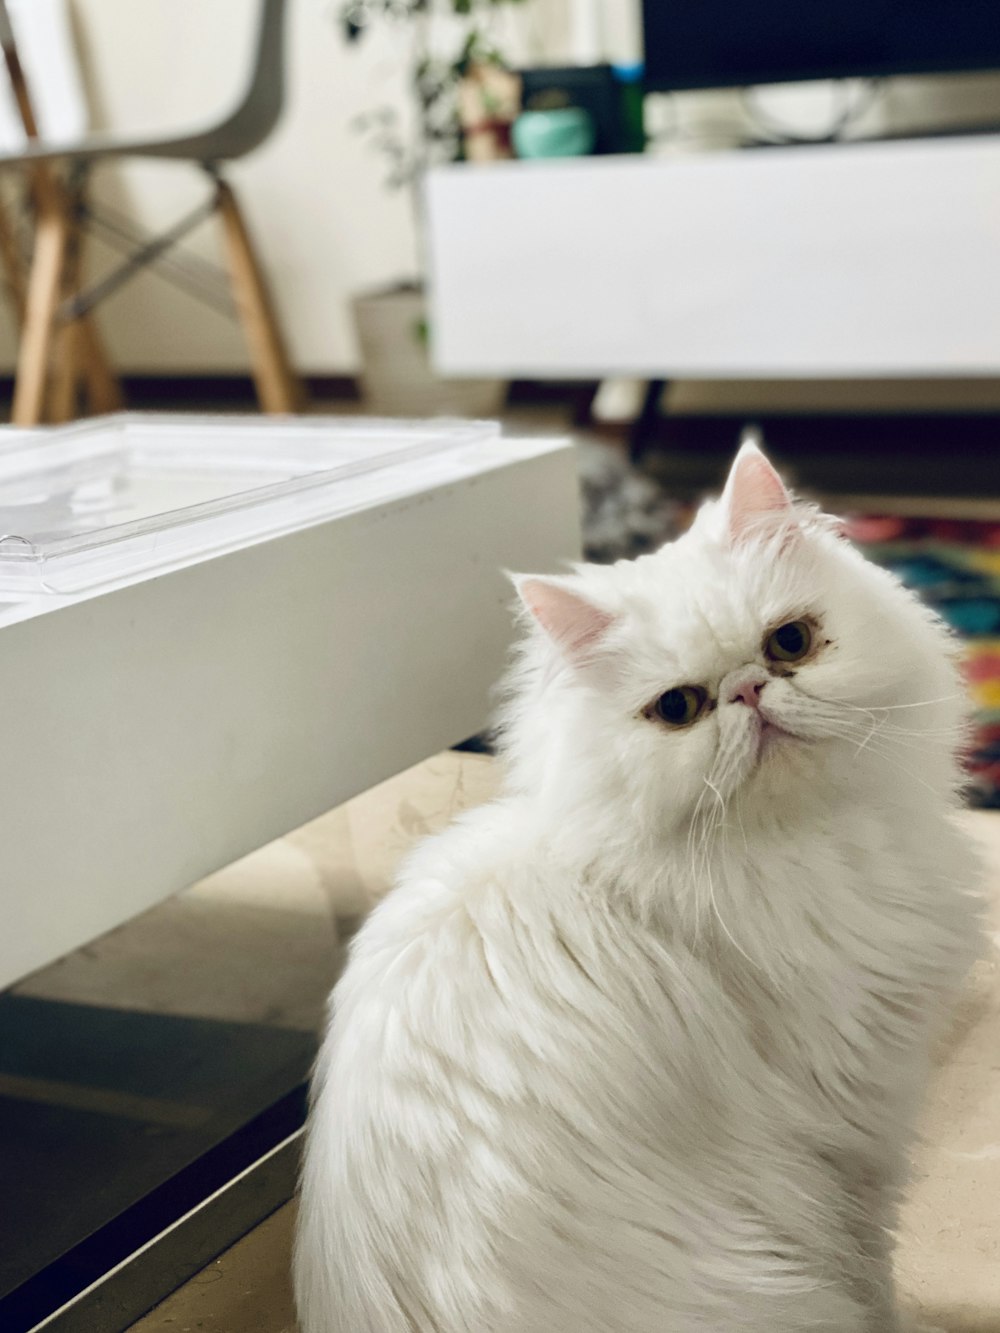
789	643
681	706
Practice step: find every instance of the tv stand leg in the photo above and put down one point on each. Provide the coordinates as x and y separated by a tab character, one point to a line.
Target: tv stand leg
642	426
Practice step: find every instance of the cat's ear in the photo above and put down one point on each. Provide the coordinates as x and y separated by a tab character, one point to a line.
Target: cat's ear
754	492
573	622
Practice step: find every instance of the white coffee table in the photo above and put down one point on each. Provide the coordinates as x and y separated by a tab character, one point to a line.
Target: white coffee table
158	727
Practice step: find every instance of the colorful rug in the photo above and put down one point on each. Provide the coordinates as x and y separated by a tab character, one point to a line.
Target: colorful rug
955	567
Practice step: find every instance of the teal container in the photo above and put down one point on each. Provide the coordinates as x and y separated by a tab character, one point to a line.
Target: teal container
565	131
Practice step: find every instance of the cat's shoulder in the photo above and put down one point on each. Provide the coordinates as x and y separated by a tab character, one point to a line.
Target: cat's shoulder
484	852
493	841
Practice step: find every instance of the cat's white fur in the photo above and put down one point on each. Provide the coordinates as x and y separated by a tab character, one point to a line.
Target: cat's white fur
639	1046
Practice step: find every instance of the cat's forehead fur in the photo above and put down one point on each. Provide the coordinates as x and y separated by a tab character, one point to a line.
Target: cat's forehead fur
701	602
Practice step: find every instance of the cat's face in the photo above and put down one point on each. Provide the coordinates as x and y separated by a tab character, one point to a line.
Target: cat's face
759	654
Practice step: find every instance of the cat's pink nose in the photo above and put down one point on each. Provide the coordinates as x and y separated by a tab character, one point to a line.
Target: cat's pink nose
746	689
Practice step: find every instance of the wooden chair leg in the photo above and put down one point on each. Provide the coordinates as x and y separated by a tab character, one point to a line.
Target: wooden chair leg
63	395
277	387
13	263
55	269
104	390
81	366
42	301
80	362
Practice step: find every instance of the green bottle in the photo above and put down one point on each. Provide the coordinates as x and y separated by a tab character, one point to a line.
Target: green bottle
629	79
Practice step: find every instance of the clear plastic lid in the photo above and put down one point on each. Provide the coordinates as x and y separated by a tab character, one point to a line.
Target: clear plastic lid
117	496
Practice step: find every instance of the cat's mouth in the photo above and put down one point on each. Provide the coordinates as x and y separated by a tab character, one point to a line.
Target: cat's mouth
771	732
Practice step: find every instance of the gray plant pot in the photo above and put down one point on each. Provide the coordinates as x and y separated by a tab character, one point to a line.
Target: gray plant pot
397	378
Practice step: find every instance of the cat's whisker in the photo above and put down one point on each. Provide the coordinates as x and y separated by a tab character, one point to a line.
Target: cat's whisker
867	739
917	703
842	729
712	823
693	827
892	728
705	847
848	728
738	804
902	768
881	708
715	791
878	724
887	755
714	905
697	840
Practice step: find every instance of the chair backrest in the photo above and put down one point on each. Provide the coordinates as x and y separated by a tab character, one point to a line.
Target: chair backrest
43	32
49	56
259	109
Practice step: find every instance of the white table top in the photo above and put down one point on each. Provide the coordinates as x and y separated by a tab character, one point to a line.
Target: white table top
155	730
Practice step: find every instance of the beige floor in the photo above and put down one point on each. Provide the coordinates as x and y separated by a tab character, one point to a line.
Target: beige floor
305	893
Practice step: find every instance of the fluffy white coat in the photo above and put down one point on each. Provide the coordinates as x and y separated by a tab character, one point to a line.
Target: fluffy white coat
640	1045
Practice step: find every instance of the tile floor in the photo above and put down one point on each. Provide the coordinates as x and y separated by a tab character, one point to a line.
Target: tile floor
949	1262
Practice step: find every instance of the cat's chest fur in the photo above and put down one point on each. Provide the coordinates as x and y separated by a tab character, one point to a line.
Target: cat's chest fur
837	945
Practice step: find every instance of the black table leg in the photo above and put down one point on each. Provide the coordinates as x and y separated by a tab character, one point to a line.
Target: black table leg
642	426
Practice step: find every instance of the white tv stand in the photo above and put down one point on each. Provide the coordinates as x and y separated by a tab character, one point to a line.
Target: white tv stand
871	259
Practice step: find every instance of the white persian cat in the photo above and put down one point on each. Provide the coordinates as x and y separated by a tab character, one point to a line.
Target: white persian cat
639	1046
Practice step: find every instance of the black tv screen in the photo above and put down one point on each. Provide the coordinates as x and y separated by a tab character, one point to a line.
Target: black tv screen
732	43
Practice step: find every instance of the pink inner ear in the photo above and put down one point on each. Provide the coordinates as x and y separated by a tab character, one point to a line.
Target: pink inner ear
753	490
573	622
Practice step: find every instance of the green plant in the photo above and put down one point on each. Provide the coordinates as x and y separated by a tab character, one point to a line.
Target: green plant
445	38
